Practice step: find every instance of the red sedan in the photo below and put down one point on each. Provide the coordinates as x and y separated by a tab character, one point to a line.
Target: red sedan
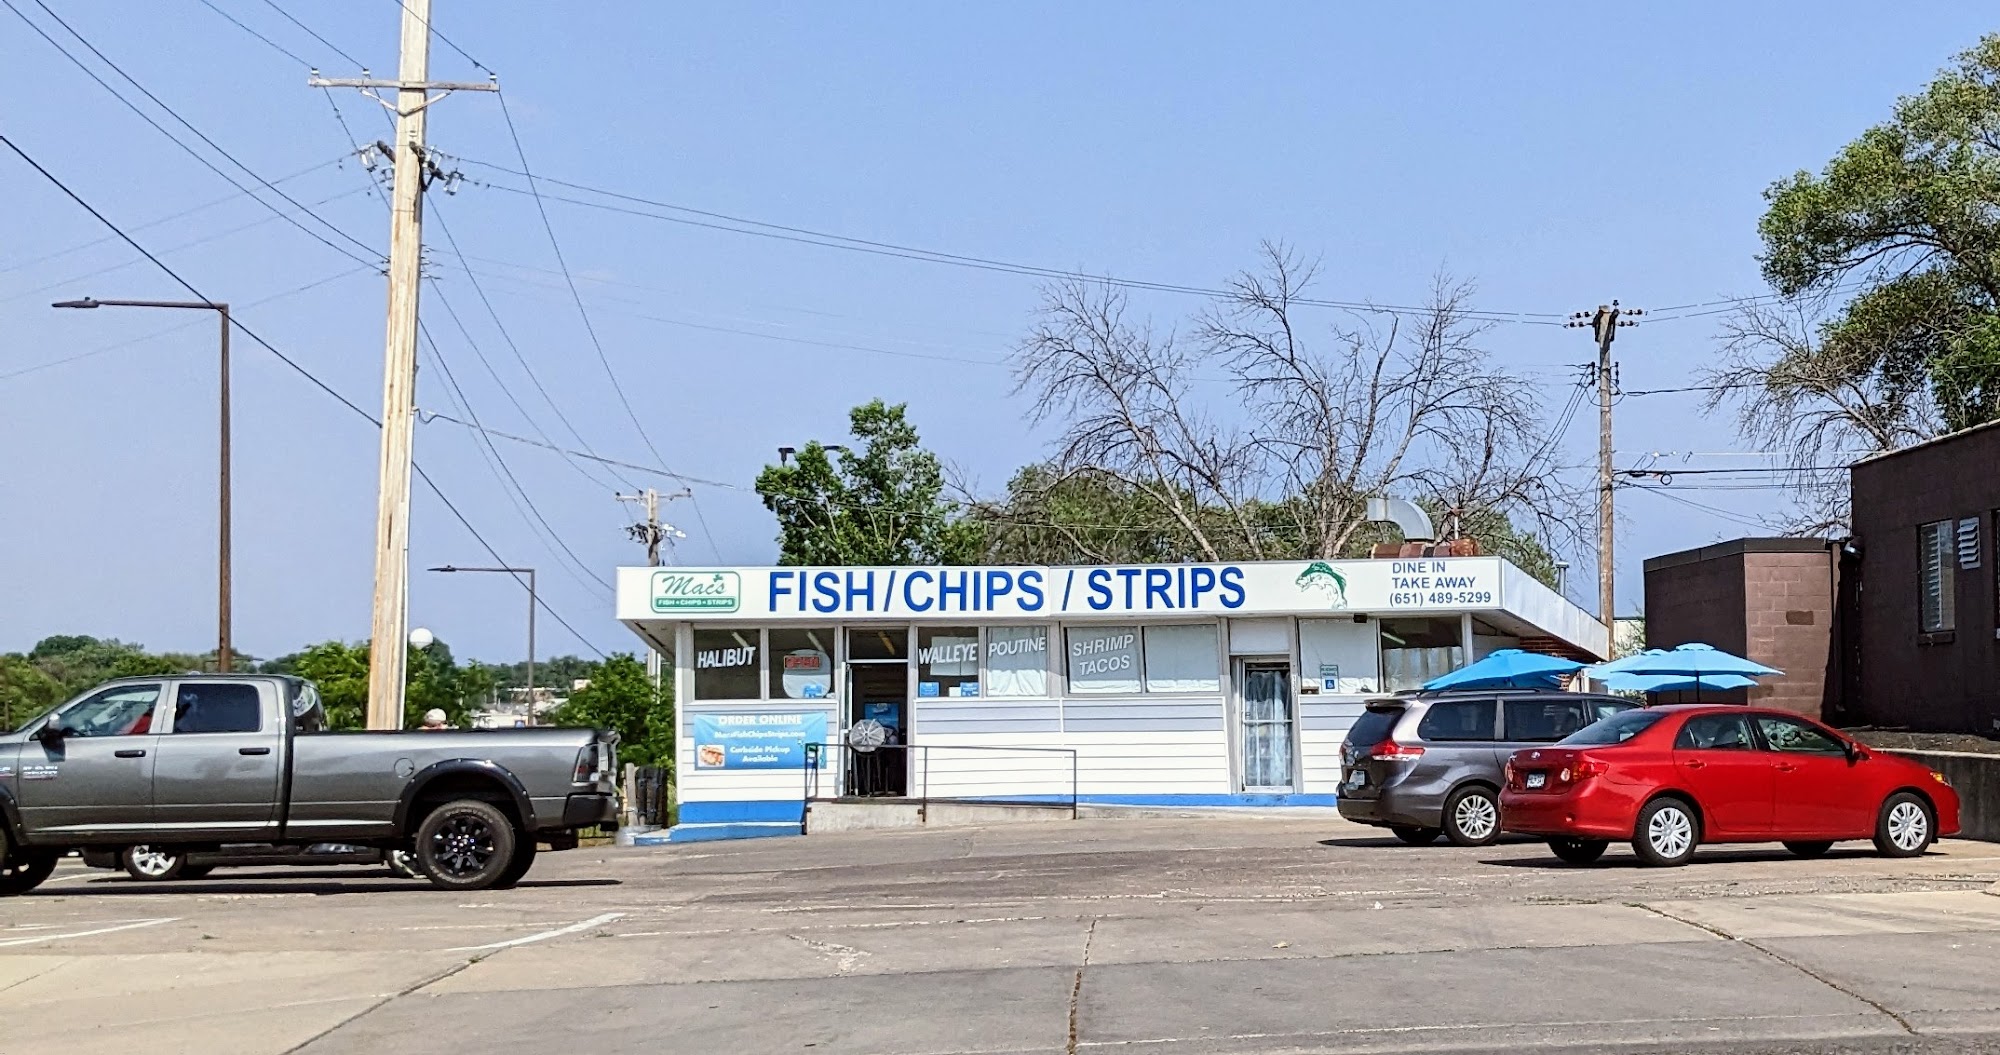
1672	778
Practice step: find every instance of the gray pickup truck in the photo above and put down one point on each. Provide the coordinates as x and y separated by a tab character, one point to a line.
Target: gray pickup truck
193	762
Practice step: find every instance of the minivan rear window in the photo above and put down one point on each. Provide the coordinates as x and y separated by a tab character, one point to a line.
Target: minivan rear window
1613	730
1459	720
1374	726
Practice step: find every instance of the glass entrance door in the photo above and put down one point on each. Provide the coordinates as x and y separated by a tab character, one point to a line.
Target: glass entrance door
1264	701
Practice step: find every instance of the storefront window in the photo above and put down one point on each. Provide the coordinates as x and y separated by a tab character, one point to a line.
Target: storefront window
801	663
726	664
1104	659
1416	650
947	661
883	642
1017	661
1182	659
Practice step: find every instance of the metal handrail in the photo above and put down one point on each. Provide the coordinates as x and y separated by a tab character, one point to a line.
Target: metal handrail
849	753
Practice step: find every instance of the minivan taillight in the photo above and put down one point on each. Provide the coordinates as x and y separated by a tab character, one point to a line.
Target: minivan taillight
1391	751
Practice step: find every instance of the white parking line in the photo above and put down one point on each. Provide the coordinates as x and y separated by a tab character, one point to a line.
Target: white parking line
132	925
594	921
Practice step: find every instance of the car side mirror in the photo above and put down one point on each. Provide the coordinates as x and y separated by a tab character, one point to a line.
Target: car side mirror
51	733
1855	753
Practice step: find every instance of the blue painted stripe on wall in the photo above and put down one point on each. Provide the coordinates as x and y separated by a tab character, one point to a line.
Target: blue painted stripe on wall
740	810
698	833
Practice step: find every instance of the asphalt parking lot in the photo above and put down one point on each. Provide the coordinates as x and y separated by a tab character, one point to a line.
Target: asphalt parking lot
1170	936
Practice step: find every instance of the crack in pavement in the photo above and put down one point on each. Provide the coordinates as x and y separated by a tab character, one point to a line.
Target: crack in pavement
1076	987
1788	962
379	1004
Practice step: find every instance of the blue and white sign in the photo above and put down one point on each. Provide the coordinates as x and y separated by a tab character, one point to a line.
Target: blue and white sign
756	741
1438	584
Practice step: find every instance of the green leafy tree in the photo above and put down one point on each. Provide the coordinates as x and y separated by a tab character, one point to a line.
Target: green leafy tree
341	672
620	697
880	502
25	691
1050	517
1910	213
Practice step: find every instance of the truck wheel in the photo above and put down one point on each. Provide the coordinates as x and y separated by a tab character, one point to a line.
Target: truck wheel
524	859
22	869
153	864
465	845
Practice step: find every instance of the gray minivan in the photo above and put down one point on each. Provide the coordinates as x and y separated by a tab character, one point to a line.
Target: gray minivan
1431	763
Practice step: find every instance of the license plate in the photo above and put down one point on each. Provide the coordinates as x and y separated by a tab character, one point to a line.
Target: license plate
1536	780
1357	779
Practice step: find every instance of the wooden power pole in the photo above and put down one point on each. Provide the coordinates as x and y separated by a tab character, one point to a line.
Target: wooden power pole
412	88
651	533
1604	324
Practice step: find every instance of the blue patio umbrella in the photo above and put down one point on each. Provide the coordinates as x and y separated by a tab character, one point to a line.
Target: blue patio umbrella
1694	660
1624	681
1698	664
1507	668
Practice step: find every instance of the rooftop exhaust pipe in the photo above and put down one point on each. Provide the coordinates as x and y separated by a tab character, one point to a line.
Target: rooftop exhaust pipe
1405	514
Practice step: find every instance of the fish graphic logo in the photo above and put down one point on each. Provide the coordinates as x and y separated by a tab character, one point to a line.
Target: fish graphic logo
1319	575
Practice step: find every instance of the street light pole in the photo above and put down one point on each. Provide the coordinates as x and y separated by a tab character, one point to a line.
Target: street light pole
225	652
532	604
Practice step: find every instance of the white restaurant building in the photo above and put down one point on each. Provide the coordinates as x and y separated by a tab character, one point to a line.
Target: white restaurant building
1174	685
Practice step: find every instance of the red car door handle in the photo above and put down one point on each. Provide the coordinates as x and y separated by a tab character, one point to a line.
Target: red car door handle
1787	767
1694	763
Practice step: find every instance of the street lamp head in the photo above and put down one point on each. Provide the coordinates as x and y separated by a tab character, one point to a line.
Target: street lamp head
444	567
421	638
84	303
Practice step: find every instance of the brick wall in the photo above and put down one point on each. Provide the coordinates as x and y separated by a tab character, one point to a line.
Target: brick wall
1788	617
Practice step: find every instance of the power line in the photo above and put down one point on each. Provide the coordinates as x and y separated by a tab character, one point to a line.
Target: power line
313	33
1725	387
446	40
234	21
1725	514
823	239
95	352
507	337
502	471
203	240
297	367
268	185
169	218
588	328
430	416
1744	469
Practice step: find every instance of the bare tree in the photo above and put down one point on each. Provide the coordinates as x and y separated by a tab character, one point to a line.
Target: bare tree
1403	402
1819	404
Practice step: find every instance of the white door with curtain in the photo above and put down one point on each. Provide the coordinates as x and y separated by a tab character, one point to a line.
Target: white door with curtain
1265	726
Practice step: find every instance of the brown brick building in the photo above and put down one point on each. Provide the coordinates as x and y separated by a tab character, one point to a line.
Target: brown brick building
1898	626
1924	524
1770	599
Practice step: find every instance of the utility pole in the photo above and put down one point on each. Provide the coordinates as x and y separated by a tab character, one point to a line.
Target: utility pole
386	646
1604	324
651	534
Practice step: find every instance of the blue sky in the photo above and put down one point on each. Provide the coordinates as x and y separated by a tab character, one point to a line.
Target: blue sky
1559	155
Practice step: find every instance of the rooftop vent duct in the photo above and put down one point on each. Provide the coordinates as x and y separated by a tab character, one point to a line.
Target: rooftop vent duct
1403	513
